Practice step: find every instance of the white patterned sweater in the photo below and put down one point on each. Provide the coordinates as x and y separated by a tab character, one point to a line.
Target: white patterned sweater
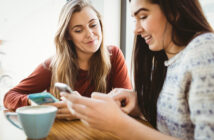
185	107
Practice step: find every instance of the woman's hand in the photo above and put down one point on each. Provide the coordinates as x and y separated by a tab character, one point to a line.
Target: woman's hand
100	111
62	112
127	100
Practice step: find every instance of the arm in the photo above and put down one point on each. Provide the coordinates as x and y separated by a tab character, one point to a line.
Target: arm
200	90
92	111
201	102
119	72
38	81
132	129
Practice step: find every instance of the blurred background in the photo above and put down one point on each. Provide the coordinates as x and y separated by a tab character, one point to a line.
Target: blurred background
27	29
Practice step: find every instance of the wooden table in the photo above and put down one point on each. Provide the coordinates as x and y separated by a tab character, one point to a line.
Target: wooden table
76	130
61	130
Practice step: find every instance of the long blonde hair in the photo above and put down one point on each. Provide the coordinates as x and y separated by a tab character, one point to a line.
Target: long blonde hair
64	64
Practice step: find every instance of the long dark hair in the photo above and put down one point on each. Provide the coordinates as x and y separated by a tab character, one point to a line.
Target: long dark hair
187	20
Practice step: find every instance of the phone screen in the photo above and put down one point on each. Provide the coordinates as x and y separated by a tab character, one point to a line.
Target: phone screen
41	98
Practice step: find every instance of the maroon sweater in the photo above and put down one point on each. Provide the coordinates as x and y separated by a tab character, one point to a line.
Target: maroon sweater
40	80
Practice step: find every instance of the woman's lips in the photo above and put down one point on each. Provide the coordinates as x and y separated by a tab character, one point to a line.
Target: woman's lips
91	42
148	39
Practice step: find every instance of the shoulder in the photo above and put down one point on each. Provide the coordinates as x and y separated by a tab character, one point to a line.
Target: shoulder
115	52
116	57
206	40
47	63
199	53
113	49
200	48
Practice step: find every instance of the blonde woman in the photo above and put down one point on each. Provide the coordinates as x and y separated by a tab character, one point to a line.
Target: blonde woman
81	61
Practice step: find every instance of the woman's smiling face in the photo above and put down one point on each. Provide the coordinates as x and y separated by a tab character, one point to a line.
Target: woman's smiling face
151	24
85	31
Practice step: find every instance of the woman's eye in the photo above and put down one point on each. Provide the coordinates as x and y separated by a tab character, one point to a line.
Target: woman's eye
93	25
78	31
143	17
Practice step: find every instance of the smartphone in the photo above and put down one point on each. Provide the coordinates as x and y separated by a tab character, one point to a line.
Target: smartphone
41	98
63	87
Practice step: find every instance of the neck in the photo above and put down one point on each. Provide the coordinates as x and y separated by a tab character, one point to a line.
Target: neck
83	61
172	50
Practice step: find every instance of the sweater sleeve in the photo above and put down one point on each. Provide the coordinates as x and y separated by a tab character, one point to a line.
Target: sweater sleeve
119	73
201	94
37	81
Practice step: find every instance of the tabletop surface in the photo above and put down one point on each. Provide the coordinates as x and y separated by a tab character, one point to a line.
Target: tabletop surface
76	130
61	130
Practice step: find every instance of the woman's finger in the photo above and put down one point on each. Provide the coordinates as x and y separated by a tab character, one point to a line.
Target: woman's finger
60	104
101	96
66	116
81	114
81	109
62	116
78	99
63	111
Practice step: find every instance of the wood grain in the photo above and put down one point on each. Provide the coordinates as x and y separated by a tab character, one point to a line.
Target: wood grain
61	130
76	130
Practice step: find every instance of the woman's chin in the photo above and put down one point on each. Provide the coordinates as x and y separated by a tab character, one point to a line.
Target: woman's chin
154	48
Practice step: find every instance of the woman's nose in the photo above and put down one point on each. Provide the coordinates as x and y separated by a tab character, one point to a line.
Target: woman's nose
89	33
138	28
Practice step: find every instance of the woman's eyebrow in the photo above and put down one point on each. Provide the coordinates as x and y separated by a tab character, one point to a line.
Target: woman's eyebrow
76	26
92	20
139	10
81	25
